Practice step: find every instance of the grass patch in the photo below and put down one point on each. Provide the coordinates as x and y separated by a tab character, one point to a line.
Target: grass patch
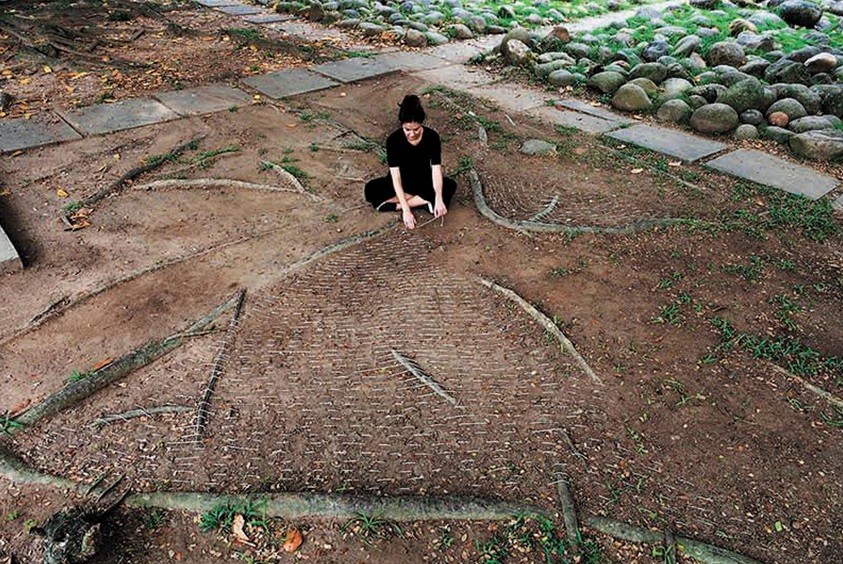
222	516
540	535
784	351
247	33
77	376
370	529
8	424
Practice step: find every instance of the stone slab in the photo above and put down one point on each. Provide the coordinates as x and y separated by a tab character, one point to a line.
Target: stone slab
239	10
457	77
354	69
684	146
288	82
838	204
415	61
578	120
456	52
771	171
107	118
509	96
586	108
267	18
205	100
39	130
9	258
217	3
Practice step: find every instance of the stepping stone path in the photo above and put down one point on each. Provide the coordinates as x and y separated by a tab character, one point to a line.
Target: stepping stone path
444	64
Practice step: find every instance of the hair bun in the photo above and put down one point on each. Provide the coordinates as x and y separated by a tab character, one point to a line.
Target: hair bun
410	109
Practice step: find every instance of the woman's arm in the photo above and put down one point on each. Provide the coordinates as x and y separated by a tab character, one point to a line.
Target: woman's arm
439	208
406	213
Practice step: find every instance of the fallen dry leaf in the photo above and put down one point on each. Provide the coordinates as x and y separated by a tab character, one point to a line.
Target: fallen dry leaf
102	364
293	540
674	163
637	170
237	528
61	193
47	69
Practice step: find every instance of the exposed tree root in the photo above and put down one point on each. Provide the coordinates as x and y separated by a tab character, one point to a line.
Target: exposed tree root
138	170
203	410
339	506
833	400
705	553
569	511
141	412
289	178
534	226
19	472
544	321
74	392
218	182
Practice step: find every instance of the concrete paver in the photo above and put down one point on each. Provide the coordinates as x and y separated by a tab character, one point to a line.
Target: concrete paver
106	118
586	108
402	60
578	120
267	18
673	143
216	3
205	100
838	204
463	51
9	258
509	96
357	68
239	10
771	171
457	77
39	130
288	82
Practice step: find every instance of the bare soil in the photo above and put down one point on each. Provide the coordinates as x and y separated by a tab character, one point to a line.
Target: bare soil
710	442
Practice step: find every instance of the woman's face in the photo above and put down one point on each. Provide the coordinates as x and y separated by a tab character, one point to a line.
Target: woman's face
413	132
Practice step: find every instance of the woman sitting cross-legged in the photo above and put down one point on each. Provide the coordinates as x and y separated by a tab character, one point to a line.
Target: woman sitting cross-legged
414	156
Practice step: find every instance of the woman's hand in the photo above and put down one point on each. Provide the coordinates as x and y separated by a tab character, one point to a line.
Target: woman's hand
409	219
439	208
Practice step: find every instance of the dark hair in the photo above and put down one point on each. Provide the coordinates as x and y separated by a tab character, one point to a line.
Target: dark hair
410	110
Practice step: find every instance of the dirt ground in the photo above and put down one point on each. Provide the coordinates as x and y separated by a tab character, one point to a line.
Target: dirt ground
687	431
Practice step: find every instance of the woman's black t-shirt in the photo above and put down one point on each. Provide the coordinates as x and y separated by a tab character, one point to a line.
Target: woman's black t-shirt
414	162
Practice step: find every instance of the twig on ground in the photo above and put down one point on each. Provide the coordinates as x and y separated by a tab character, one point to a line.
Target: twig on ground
545	322
141	412
425	379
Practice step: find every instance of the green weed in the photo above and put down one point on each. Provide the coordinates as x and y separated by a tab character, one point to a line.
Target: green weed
369	529
76	376
220	517
9	425
153	520
247	33
12	515
72	206
793	355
